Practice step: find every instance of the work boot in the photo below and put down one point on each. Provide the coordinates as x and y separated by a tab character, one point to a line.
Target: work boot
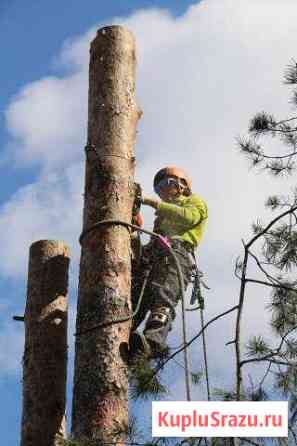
139	348
158	349
156	330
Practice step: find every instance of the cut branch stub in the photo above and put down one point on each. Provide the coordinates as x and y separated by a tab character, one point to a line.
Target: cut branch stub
45	355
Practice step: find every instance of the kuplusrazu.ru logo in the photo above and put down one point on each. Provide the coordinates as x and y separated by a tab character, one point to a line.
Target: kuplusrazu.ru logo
220	419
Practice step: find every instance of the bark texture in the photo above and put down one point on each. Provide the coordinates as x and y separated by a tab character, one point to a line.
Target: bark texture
45	355
100	395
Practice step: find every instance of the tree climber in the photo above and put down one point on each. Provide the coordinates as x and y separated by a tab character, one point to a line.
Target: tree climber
180	217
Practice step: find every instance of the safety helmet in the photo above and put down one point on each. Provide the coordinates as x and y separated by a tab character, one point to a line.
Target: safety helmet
172	171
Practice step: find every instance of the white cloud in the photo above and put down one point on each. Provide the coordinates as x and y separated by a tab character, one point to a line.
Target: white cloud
74	55
46	120
200	79
48	209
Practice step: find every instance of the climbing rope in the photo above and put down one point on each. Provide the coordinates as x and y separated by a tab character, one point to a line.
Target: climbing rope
180	279
204	354
125	318
197	295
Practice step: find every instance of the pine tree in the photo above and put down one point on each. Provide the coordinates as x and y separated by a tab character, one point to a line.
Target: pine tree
278	256
100	389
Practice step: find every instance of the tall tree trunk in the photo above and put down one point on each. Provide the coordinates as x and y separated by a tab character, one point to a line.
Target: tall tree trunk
100	398
45	355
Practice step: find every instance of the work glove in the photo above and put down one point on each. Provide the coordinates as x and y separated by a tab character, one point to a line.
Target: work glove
138	220
150	202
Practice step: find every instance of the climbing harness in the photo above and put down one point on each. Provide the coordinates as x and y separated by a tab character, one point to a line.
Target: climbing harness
165	242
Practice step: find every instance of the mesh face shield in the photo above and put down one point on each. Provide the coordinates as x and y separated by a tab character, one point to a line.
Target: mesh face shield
167	181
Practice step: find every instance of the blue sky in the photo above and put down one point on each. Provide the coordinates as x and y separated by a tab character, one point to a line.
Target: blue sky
32	33
204	68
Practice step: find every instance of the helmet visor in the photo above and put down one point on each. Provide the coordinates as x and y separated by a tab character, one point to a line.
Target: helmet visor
165	182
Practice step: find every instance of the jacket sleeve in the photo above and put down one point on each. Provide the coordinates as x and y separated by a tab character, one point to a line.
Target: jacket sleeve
190	214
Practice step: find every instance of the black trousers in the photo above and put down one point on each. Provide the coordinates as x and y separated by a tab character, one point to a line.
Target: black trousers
162	292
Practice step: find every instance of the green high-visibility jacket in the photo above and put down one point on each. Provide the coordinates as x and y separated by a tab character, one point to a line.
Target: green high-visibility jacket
185	218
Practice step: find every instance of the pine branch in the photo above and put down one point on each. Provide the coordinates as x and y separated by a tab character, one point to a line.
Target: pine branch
290	76
144	383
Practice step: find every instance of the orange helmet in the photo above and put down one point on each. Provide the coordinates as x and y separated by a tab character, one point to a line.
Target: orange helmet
172	171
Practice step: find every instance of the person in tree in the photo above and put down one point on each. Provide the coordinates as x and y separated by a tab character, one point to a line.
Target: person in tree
181	218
